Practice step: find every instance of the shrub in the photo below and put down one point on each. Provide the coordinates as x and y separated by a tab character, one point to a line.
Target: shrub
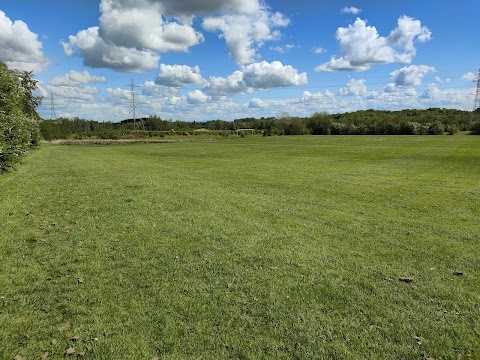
476	128
19	121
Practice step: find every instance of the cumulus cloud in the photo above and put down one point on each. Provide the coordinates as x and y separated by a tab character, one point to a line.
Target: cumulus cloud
231	85
203	7
307	96
431	92
75	78
197	97
245	34
143	28
178	75
350	10
76	94
19	44
266	75
153	90
469	77
257	76
257	103
410	75
354	88
390	88
97	53
361	46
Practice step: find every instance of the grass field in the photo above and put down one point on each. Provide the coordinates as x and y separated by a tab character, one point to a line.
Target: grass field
284	247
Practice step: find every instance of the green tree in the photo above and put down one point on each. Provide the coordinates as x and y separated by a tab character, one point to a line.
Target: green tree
19	120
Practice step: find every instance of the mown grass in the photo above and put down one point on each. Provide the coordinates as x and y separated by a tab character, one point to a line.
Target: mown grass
284	247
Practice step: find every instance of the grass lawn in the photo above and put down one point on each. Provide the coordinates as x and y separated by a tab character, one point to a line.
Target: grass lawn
285	247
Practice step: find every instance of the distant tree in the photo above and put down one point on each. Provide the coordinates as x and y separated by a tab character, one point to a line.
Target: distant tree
320	124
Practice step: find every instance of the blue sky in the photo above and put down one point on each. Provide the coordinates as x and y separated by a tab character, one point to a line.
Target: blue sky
225	59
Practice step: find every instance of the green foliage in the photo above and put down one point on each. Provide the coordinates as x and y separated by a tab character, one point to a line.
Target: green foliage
19	121
476	128
288	125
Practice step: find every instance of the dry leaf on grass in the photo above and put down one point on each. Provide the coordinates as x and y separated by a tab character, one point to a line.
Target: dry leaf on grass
70	351
65	326
44	356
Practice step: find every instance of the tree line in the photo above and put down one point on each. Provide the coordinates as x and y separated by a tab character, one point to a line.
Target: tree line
434	121
19	120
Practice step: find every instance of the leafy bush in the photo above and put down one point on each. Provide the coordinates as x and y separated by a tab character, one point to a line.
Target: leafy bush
19	121
476	128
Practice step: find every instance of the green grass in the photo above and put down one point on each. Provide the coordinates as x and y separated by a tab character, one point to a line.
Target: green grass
283	247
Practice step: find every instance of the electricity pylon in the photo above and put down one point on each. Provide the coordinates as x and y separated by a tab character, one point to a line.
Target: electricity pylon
53	115
476	106
133	107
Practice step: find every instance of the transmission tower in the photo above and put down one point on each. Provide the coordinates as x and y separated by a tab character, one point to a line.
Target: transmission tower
53	115
133	107
476	107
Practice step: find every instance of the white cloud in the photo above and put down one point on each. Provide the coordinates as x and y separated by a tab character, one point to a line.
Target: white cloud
143	27
354	88
283	49
266	75
197	97
390	88
469	77
351	10
431	92
74	94
257	103
308	96
202	7
257	76
97	53
410	92
155	91
245	34
231	85
361	46
178	75
319	50
75	78
20	45
410	75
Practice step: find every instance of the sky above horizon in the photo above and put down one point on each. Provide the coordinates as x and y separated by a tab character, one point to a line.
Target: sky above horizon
198	60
